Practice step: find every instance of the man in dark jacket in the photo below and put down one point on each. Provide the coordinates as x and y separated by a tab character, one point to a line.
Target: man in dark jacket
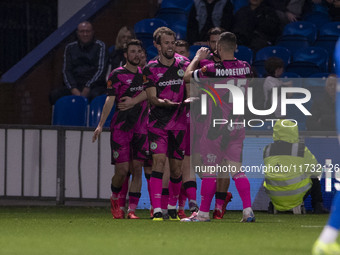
206	14
85	64
256	25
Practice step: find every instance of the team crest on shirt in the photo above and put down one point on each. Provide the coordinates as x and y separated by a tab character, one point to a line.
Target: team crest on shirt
129	81
115	154
180	72
153	146
211	158
159	75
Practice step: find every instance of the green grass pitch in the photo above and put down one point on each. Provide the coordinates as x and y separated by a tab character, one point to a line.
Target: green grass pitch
88	230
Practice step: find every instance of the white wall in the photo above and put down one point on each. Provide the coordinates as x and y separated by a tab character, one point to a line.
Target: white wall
67	8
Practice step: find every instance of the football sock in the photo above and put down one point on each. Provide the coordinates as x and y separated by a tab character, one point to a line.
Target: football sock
123	192
147	177
182	199
243	187
208	189
115	192
133	200
165	199
156	190
219	200
174	190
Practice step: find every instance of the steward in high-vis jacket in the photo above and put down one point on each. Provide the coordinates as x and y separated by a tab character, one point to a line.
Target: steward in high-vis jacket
291	170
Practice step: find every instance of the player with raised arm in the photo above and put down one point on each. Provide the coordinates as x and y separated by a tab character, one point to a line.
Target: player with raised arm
128	128
165	88
222	145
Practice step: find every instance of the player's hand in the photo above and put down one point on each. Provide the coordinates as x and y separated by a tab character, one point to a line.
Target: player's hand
125	103
190	100
202	53
96	133
169	103
291	17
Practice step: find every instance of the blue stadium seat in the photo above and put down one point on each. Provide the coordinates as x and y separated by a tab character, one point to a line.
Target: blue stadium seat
70	111
273	51
151	52
180	28
172	15
330	29
319	75
317	18
302	29
290	75
96	107
182	4
293	42
111	48
238	4
309	60
193	49
144	30
244	53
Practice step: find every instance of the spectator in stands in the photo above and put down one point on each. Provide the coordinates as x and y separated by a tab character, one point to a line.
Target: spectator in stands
256	25
205	14
85	64
182	48
323	110
287	189
274	67
287	11
117	58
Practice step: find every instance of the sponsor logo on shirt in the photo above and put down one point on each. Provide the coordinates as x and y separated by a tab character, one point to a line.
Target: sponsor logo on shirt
170	83
139	88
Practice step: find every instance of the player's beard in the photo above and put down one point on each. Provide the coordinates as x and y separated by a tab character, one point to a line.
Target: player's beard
168	55
132	62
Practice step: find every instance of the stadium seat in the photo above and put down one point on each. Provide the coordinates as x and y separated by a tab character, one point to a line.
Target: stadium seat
273	51
193	49
330	29
111	48
144	30
180	28
316	84
244	53
302	29
96	107
309	60
172	15
182	4
293	77
70	111
293	43
290	75
317	18
151	52
238	4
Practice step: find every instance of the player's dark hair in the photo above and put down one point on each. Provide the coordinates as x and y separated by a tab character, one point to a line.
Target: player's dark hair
182	43
228	41
272	64
132	42
215	31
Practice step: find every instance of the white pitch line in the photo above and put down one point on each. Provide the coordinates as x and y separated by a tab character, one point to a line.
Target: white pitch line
309	226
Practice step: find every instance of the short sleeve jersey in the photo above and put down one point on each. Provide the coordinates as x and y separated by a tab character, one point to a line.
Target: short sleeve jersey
123	83
169	84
